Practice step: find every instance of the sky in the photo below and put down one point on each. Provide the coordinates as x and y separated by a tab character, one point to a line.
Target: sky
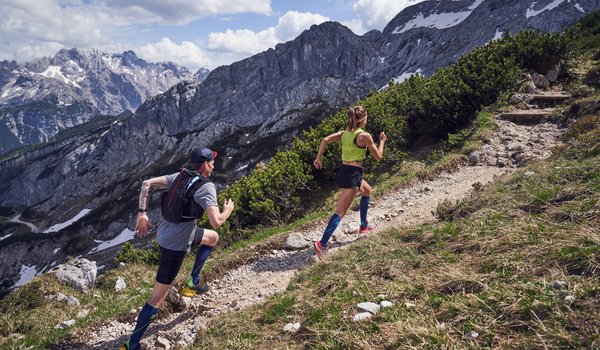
192	33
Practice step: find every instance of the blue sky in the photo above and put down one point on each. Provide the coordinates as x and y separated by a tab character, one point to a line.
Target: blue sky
193	33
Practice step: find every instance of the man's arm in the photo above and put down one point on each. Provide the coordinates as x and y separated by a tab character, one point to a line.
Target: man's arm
218	218
143	223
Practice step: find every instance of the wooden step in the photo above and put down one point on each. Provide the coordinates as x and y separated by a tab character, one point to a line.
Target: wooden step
528	117
555	97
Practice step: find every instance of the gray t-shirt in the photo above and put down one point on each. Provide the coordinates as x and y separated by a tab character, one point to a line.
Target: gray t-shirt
176	236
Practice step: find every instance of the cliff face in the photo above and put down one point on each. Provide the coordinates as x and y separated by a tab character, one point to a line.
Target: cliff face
245	111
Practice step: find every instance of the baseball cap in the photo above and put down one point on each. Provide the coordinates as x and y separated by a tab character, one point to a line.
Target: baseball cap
201	155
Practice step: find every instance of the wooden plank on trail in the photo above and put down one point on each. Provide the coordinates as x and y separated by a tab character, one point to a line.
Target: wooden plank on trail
528	117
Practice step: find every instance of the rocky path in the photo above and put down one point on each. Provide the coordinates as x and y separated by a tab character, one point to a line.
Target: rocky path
512	146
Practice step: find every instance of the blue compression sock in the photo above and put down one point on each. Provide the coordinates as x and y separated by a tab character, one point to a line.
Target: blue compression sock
201	257
331	226
144	318
364	206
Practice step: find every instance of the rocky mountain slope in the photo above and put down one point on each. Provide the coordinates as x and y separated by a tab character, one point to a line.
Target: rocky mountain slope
271	273
40	98
245	111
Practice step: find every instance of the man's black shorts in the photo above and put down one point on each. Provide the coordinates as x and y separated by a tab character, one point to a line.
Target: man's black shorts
171	260
349	176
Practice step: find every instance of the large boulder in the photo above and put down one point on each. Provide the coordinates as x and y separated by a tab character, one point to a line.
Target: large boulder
540	81
79	273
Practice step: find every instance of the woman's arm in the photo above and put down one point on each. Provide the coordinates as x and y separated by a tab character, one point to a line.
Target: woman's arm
377	151
318	163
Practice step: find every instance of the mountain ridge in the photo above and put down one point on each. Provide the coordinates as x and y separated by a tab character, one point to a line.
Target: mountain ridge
104	175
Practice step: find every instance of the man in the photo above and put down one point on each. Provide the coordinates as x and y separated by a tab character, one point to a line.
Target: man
175	238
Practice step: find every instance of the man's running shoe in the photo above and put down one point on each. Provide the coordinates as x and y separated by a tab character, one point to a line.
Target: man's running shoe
319	249
125	346
366	229
191	289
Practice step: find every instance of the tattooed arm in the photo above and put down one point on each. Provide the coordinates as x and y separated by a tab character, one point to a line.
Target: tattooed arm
143	223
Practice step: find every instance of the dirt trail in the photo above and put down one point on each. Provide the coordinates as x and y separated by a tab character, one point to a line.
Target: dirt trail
511	146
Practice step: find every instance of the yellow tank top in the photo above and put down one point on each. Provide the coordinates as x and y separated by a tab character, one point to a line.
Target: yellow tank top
350	151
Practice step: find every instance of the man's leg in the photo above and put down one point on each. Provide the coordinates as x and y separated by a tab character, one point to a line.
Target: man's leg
208	242
159	293
170	263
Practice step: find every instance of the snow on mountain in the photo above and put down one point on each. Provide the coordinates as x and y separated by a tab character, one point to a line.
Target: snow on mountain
438	20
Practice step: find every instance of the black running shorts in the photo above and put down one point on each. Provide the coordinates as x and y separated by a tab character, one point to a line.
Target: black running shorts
349	176
171	260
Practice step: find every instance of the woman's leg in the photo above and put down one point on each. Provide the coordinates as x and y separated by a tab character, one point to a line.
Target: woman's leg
344	202
365	190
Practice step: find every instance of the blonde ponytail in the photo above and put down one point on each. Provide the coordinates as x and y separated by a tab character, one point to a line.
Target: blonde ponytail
356	115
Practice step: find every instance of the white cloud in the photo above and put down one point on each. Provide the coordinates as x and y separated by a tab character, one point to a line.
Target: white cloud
245	41
375	14
184	11
292	23
187	54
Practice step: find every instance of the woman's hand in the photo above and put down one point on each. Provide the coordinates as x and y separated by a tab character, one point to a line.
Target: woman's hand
382	136
318	163
142	225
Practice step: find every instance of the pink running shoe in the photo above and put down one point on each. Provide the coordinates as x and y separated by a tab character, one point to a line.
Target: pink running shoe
366	229
320	250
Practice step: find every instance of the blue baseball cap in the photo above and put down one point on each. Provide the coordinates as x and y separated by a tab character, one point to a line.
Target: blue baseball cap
201	155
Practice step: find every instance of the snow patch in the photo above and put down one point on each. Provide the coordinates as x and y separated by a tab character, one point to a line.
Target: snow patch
578	7
59	227
241	168
498	34
404	76
124	236
56	250
27	274
532	13
5	237
55	72
438	20
382	59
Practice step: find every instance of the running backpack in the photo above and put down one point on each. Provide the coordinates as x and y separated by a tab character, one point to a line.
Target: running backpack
178	204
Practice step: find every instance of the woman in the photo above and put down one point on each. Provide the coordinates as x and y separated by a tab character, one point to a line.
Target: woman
355	142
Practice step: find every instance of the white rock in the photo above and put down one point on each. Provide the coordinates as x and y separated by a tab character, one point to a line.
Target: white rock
569	300
83	313
292	327
385	304
472	335
72	301
441	326
60	297
362	316
120	284
296	241
79	274
65	324
529	173
409	305
163	342
381	296
185	302
369	307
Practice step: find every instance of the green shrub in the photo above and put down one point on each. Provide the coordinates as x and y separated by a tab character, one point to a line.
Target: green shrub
129	254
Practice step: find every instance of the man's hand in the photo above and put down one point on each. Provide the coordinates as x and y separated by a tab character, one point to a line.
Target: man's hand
228	206
142	225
